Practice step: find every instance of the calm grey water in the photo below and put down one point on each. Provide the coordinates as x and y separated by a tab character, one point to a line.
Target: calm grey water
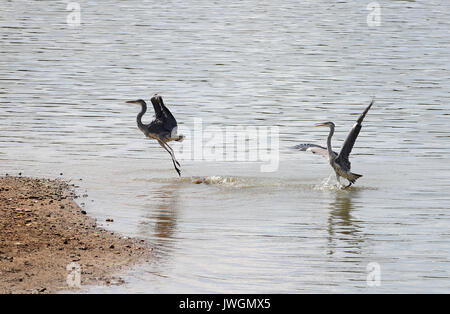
243	63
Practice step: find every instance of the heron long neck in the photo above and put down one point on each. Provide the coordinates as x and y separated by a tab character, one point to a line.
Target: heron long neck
330	150
139	116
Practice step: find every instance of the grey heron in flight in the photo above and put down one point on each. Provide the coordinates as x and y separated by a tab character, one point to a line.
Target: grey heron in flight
163	128
339	162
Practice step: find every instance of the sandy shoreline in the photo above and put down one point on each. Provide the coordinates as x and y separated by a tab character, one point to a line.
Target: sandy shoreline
42	231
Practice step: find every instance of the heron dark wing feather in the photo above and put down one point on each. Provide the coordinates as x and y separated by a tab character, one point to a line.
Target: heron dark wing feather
167	113
156	126
346	149
349	142
156	107
166	116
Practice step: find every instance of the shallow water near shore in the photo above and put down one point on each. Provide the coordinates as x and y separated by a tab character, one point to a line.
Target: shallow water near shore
288	64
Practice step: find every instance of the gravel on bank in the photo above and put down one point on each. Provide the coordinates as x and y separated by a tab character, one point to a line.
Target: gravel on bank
45	238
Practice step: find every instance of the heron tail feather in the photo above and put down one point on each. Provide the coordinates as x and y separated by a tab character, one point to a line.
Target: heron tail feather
353	177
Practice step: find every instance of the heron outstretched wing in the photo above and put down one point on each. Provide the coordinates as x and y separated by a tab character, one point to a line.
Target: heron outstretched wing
156	107
163	114
349	142
315	149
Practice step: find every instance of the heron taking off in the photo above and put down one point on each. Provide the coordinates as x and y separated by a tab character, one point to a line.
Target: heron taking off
339	162
163	128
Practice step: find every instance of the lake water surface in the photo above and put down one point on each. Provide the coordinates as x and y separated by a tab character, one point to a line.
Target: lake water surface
288	64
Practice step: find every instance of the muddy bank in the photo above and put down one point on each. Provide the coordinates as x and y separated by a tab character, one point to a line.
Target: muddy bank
42	231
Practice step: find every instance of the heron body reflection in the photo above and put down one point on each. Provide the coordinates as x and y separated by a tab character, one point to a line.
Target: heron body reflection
342	225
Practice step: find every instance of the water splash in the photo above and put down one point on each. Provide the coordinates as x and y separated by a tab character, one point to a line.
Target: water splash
272	184
231	181
328	184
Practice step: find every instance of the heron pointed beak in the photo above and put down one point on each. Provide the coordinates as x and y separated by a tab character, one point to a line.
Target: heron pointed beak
132	102
321	124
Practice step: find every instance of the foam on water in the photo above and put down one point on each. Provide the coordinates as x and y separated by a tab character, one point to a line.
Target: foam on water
327	184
